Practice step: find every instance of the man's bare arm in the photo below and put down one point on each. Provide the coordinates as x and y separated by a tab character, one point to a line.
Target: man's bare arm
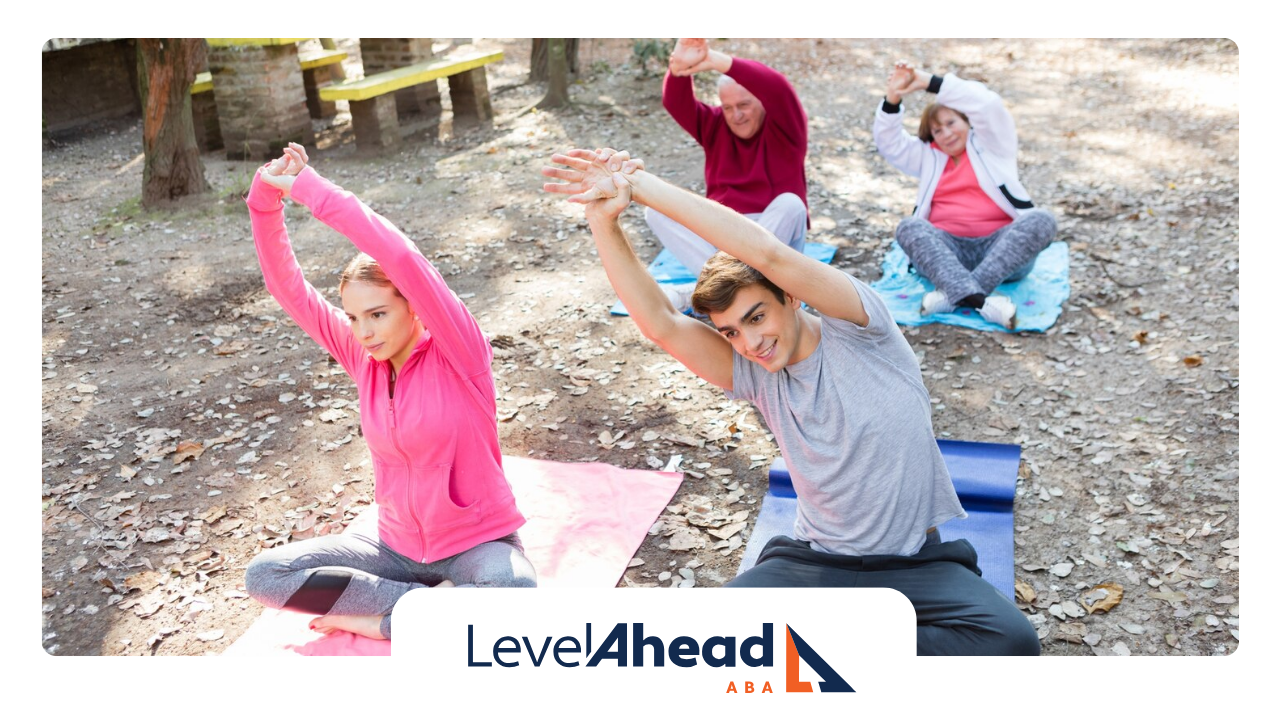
693	344
819	285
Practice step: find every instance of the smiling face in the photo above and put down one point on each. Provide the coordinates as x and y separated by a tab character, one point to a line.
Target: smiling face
760	328
743	113
950	131
381	320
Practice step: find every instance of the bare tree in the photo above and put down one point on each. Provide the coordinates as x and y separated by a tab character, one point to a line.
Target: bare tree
557	75
166	70
538	58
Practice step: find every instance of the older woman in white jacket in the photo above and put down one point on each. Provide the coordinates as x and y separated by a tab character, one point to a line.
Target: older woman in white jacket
973	226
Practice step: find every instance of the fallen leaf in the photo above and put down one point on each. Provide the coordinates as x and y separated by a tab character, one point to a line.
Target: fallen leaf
1140	337
210	636
1024	592
1062	569
728	531
187	450
1193	361
686	540
1113	594
1171	596
333	415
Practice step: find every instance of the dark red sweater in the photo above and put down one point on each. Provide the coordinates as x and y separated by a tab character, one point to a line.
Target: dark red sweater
746	175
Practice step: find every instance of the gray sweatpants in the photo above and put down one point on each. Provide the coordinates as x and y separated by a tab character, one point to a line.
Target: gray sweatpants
355	573
957	612
961	267
786	217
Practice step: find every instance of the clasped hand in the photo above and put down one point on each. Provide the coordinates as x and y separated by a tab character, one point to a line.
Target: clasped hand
281	172
689	56
904	80
596	178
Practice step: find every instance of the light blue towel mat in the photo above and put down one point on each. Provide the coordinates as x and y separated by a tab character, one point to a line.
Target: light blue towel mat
667	270
1038	296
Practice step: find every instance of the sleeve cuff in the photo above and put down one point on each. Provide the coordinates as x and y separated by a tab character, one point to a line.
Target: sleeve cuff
308	187
262	197
889	107
935	84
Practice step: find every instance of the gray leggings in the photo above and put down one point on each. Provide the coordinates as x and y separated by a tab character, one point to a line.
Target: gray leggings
355	573
961	267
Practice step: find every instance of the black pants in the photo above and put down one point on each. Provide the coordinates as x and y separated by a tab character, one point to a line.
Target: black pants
957	612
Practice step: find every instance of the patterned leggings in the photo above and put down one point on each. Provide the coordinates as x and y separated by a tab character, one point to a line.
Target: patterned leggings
960	266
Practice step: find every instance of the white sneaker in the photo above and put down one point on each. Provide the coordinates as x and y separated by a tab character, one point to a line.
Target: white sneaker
935	301
999	310
681	296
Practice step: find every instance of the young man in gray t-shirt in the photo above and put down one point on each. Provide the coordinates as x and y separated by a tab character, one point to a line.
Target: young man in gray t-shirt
841	391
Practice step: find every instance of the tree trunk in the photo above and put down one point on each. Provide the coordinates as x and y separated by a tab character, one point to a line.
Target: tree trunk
538	58
557	75
172	168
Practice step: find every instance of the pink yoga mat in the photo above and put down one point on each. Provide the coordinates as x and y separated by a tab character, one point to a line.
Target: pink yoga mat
586	520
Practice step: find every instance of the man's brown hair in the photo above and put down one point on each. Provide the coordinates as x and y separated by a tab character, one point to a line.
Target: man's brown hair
721	279
925	131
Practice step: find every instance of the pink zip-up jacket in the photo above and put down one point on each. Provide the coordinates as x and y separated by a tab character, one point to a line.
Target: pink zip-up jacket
437	467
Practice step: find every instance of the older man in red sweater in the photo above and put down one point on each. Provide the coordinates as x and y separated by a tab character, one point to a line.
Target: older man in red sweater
755	144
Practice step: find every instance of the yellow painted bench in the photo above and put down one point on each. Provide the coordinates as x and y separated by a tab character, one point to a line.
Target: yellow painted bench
203	83
373	103
320	58
317	72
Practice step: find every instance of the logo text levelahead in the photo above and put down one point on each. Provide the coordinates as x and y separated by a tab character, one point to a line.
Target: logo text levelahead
683	651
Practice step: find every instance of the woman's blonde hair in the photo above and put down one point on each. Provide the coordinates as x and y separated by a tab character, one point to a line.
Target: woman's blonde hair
925	131
363	268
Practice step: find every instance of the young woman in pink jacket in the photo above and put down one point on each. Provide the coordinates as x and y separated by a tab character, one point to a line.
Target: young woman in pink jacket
444	512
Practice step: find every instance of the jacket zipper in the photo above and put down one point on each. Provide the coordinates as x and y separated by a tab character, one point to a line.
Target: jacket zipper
408	495
996	182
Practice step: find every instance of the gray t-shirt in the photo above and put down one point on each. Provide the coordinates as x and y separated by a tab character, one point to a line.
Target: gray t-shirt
853	423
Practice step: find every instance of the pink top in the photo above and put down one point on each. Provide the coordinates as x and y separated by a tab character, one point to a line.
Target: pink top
437	468
746	175
960	206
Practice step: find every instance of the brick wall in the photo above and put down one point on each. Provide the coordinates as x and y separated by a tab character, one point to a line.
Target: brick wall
91	82
261	101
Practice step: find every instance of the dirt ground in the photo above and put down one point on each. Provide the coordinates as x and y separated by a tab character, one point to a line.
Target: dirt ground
187	423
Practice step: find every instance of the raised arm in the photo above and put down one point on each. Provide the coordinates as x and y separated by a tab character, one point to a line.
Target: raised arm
318	318
817	284
903	150
690	57
451	325
773	90
821	286
696	346
988	116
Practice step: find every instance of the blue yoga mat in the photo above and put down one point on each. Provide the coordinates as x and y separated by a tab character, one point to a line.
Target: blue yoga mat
667	270
1039	295
985	476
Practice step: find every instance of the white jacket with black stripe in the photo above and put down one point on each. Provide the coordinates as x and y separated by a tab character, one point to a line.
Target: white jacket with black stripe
992	146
